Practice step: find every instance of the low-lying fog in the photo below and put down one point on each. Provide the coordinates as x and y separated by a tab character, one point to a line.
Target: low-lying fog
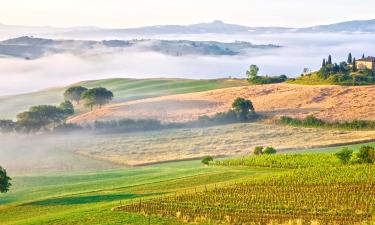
299	51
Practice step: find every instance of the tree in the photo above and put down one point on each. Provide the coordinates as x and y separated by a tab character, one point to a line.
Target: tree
366	154
363	56
329	62
258	150
344	155
97	96
43	115
7	126
244	108
269	151
67	108
74	93
252	72
324	63
350	59
354	65
4	181
206	160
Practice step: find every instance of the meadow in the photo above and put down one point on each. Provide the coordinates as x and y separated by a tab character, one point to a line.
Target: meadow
224	140
123	89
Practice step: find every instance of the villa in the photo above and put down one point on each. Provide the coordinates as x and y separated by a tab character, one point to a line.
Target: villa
366	63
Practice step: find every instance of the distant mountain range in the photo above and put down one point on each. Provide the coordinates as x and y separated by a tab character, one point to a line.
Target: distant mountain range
32	48
216	27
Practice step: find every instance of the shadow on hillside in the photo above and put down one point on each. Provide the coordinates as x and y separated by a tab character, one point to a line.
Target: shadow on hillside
76	200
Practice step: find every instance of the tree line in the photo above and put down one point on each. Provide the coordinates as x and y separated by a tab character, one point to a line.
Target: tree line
50	117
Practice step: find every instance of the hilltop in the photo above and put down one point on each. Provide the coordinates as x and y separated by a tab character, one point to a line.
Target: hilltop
328	102
124	90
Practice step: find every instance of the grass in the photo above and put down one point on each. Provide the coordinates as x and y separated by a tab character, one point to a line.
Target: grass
124	89
223	140
318	189
87	197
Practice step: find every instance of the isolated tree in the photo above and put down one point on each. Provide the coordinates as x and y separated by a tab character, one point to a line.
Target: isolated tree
97	96
4	181
344	155
244	108
258	150
366	154
354	65
269	151
252	72
329	61
363	56
206	160
350	59
74	93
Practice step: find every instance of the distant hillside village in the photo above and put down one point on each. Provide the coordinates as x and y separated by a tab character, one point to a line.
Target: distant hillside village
350	72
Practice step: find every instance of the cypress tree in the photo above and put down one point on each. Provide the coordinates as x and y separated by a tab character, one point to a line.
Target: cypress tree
324	63
354	66
363	56
350	59
329	62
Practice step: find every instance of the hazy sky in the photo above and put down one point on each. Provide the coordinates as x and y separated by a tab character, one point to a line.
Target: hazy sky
133	13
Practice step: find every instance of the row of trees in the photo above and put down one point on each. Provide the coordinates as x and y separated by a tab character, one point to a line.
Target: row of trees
38	117
91	97
253	78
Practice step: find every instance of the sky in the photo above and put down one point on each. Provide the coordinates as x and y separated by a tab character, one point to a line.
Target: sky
134	13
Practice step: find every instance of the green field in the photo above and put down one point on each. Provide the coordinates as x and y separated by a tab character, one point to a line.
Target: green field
123	89
87	198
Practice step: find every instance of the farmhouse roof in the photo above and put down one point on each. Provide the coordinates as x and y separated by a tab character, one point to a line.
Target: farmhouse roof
367	59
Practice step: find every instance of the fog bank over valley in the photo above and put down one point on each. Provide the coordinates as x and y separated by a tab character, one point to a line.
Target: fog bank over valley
299	50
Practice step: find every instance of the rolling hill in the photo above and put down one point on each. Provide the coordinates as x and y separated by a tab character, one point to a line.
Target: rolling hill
124	90
327	102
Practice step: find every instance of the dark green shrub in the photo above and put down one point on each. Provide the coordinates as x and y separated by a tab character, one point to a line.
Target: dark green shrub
206	160
344	155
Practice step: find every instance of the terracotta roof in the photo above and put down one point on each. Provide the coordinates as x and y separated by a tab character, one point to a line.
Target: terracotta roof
367	59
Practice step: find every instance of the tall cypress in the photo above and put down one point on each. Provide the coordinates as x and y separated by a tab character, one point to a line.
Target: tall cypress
354	66
324	63
350	59
363	56
329	62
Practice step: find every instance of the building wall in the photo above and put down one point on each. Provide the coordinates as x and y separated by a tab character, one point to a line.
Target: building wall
364	65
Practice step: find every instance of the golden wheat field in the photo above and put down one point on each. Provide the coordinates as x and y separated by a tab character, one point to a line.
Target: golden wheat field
326	102
225	140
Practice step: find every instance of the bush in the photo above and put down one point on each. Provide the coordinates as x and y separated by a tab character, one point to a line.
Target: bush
206	160
344	155
269	151
366	154
258	150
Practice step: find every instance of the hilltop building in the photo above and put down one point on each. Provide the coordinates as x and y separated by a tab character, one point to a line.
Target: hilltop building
366	63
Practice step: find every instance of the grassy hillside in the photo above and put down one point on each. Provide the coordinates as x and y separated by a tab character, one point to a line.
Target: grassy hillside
124	89
87	198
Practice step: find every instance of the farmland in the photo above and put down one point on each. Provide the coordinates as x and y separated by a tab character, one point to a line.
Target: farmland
124	90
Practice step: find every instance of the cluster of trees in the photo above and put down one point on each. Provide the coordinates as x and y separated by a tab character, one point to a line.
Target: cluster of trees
344	73
260	150
366	155
242	111
91	97
253	78
38	117
312	121
4	181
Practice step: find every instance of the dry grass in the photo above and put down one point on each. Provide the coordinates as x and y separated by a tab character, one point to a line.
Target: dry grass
235	139
325	102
